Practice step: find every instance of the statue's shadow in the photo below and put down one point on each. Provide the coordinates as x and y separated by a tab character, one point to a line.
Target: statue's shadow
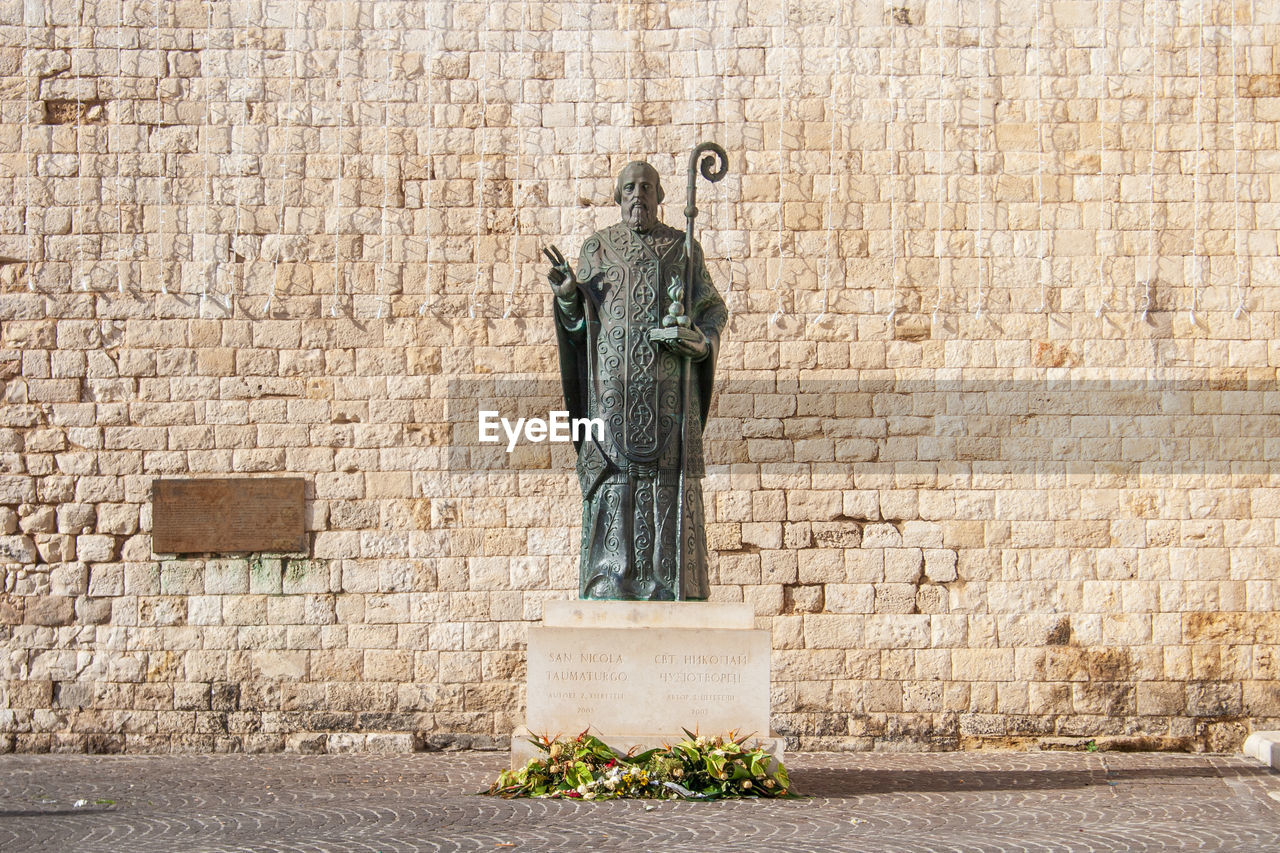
842	782
850	782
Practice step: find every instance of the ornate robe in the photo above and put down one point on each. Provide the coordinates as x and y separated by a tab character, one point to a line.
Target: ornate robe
631	485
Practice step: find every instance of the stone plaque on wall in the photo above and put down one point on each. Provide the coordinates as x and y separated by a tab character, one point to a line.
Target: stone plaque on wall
228	515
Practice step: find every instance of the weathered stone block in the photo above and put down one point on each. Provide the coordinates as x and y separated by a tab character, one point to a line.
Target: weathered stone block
895	598
18	549
940	565
881	536
39	520
93	611
50	610
902	565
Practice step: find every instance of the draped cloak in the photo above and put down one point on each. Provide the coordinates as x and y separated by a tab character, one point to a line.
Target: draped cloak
610	369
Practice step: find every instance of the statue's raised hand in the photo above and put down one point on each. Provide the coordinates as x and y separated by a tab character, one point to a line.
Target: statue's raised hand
563	282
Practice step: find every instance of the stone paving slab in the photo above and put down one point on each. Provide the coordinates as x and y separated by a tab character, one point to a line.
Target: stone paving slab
975	801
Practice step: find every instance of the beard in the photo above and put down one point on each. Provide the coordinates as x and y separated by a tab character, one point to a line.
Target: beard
638	215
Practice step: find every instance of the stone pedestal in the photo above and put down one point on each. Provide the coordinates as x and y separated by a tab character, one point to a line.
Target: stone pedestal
636	673
1264	746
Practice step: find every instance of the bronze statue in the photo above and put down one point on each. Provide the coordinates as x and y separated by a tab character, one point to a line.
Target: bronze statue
638	350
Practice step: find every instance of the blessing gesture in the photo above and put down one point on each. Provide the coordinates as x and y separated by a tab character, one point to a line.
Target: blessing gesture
563	282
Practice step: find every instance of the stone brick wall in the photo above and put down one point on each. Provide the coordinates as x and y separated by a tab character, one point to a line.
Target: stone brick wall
993	455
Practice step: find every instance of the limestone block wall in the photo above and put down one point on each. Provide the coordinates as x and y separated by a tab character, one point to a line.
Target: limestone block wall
993	453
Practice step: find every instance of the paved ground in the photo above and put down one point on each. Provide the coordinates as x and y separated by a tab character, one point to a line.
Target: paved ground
865	802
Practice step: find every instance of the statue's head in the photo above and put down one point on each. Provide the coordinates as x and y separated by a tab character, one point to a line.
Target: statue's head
638	194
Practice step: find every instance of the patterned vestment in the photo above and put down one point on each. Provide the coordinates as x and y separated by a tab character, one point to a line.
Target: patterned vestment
631	483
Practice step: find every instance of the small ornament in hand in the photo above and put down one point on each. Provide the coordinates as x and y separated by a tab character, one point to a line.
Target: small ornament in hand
675	314
677	332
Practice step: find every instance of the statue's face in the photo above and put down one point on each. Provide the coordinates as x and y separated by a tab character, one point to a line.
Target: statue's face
638	196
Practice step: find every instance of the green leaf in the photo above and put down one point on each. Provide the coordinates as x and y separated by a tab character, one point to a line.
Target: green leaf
578	774
781	776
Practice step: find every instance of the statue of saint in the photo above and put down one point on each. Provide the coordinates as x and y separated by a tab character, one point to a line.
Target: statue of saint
638	352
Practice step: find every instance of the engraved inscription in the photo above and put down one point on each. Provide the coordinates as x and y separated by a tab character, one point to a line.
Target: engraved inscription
700	677
651	682
228	515
579	675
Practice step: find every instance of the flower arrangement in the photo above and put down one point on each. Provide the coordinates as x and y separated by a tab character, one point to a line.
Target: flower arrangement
696	768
